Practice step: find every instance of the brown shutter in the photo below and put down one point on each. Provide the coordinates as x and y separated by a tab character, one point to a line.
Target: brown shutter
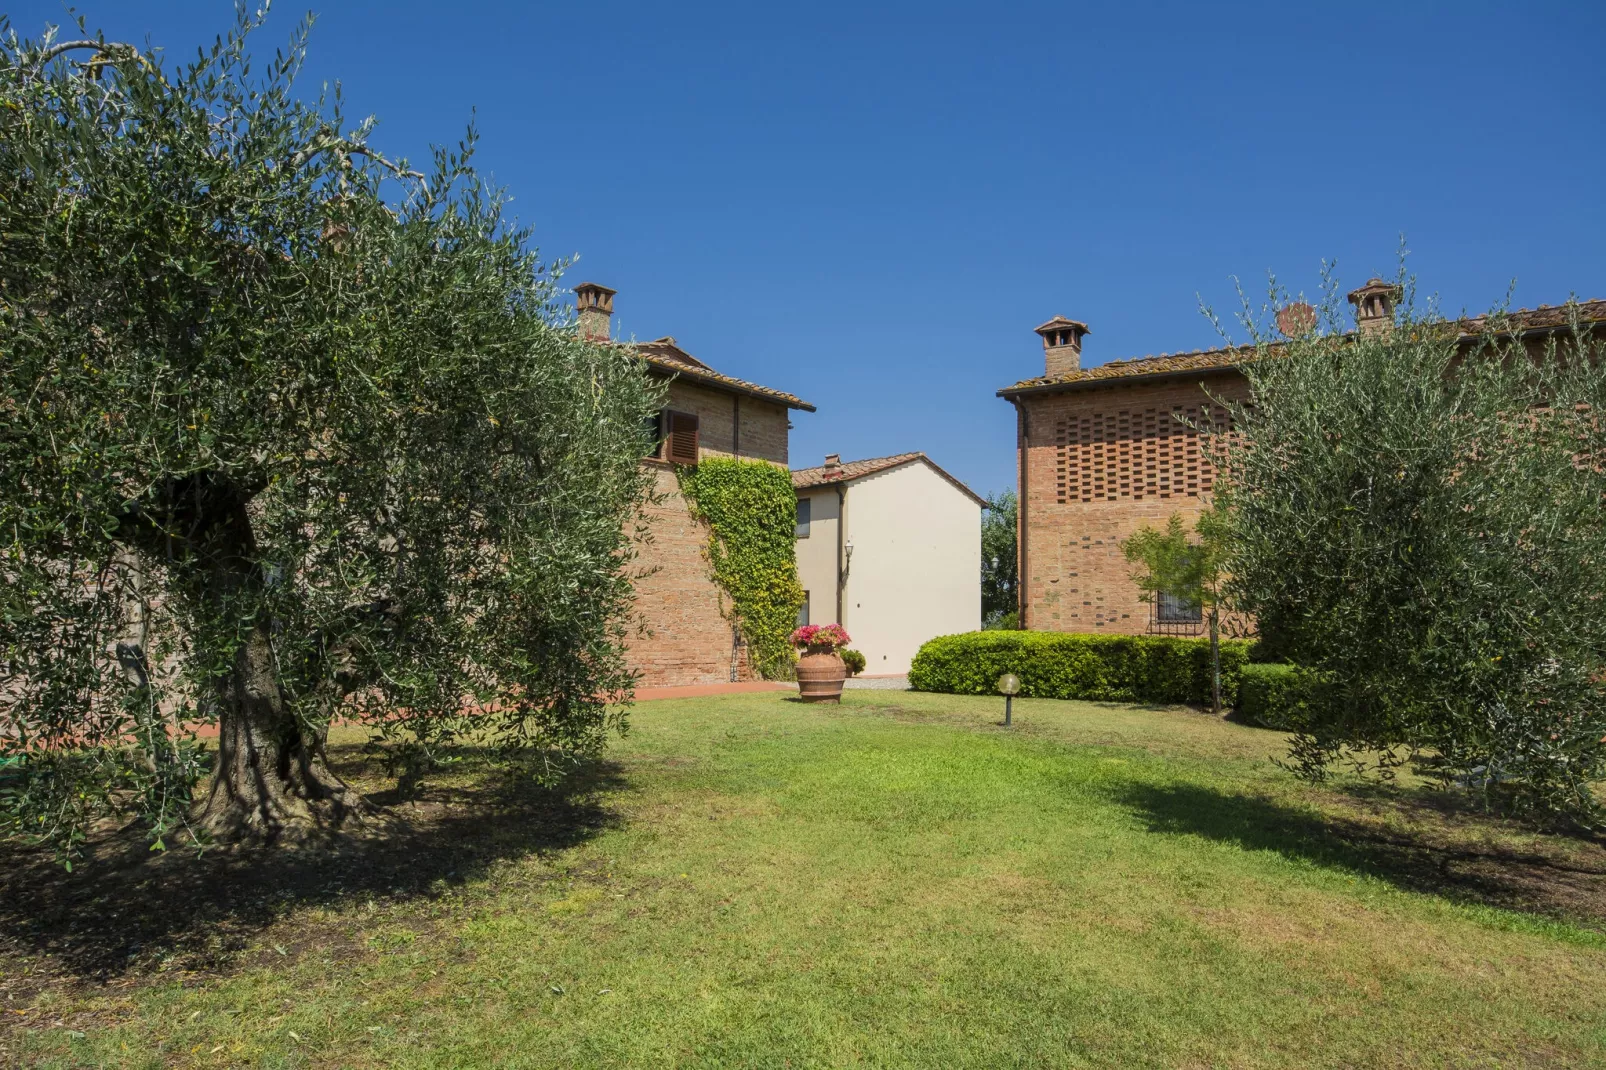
682	437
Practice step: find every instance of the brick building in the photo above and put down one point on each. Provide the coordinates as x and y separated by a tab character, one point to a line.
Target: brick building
683	636
1102	452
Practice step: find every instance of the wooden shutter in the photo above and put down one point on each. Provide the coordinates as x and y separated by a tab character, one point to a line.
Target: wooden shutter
682	437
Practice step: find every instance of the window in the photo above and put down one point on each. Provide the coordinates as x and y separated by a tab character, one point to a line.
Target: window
1173	609
680	432
803	611
654	427
1173	615
804	511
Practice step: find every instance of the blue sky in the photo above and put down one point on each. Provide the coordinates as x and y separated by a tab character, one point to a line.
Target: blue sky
871	205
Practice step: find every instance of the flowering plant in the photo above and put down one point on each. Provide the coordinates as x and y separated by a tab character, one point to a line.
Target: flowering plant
831	635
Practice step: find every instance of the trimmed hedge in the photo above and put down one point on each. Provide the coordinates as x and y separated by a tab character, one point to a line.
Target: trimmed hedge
1101	668
1277	696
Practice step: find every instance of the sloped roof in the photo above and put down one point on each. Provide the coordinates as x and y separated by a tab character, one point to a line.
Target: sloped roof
848	471
1227	358
665	355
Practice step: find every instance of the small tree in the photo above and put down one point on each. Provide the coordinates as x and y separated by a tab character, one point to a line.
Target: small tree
1172	564
1000	597
1417	515
290	432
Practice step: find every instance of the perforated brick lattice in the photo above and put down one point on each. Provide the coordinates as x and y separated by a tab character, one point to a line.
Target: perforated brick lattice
1135	454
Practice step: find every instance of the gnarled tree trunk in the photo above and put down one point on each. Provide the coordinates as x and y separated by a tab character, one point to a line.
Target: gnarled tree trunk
271	778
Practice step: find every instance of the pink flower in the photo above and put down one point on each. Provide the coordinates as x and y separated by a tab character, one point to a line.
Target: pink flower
831	635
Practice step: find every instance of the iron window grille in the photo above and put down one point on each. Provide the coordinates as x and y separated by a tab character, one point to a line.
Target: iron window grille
1171	614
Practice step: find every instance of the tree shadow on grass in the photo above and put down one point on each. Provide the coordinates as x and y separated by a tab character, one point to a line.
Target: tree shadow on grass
126	911
1411	843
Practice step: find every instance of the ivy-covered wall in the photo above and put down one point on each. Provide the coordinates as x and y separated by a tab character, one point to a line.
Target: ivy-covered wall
751	512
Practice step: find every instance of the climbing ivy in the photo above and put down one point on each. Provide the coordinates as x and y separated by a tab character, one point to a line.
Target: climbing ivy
751	512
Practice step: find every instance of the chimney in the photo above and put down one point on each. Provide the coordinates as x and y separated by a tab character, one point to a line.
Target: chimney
1062	346
1374	306
833	461
595	305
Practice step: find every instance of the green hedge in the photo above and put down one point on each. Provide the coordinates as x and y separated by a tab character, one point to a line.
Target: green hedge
1278	696
1102	668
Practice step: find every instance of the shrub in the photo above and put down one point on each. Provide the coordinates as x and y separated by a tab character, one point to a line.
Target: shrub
1277	696
1001	622
1103	668
854	660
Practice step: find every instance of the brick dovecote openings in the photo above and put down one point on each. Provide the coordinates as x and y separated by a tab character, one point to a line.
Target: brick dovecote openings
1133	454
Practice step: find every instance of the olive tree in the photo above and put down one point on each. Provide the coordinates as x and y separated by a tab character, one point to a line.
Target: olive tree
291	433
1417	516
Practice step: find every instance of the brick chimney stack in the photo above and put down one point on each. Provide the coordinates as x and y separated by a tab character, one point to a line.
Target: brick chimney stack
595	305
1374	306
833	461
1062	346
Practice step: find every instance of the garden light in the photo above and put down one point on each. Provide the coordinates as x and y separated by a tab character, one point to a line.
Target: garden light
1009	686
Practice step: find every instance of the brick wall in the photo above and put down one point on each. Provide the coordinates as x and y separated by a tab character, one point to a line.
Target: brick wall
681	634
732	425
1099	464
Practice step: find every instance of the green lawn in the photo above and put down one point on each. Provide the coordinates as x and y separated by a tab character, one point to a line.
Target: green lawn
896	882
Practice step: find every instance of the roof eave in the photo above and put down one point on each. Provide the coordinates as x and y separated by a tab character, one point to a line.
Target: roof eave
933	465
1010	393
715	383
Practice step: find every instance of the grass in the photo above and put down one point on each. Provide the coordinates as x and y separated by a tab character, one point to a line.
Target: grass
899	881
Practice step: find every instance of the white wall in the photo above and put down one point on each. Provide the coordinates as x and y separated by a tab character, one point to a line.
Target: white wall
916	566
816	555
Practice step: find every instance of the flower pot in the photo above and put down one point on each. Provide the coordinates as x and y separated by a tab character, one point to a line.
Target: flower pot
820	673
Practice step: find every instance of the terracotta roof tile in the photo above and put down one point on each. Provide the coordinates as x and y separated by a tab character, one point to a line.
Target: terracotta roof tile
1211	361
665	355
824	476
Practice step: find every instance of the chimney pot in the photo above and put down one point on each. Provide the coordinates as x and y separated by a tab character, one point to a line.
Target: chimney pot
1374	306
1062	346
833	460
594	304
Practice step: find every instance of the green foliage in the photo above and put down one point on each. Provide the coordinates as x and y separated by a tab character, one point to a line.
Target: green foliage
999	592
1171	562
854	661
1190	570
751	510
1281	696
1104	668
1002	622
1418	519
290	432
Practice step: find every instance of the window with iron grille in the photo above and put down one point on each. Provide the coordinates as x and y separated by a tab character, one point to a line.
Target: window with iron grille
1171	614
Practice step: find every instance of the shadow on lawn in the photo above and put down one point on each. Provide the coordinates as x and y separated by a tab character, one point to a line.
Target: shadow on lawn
1422	845
126	911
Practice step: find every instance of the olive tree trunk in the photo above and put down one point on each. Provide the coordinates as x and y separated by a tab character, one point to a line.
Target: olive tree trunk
271	778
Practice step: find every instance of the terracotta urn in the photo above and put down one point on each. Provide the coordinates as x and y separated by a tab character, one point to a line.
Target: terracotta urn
820	672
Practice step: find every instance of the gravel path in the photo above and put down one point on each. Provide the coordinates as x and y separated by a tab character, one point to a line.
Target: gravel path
878	683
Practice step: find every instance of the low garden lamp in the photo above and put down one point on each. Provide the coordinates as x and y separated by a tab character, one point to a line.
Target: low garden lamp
1008	686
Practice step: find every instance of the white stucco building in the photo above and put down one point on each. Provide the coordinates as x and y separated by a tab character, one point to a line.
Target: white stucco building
890	548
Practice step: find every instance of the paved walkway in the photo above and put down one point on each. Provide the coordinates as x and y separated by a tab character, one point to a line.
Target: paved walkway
647	694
